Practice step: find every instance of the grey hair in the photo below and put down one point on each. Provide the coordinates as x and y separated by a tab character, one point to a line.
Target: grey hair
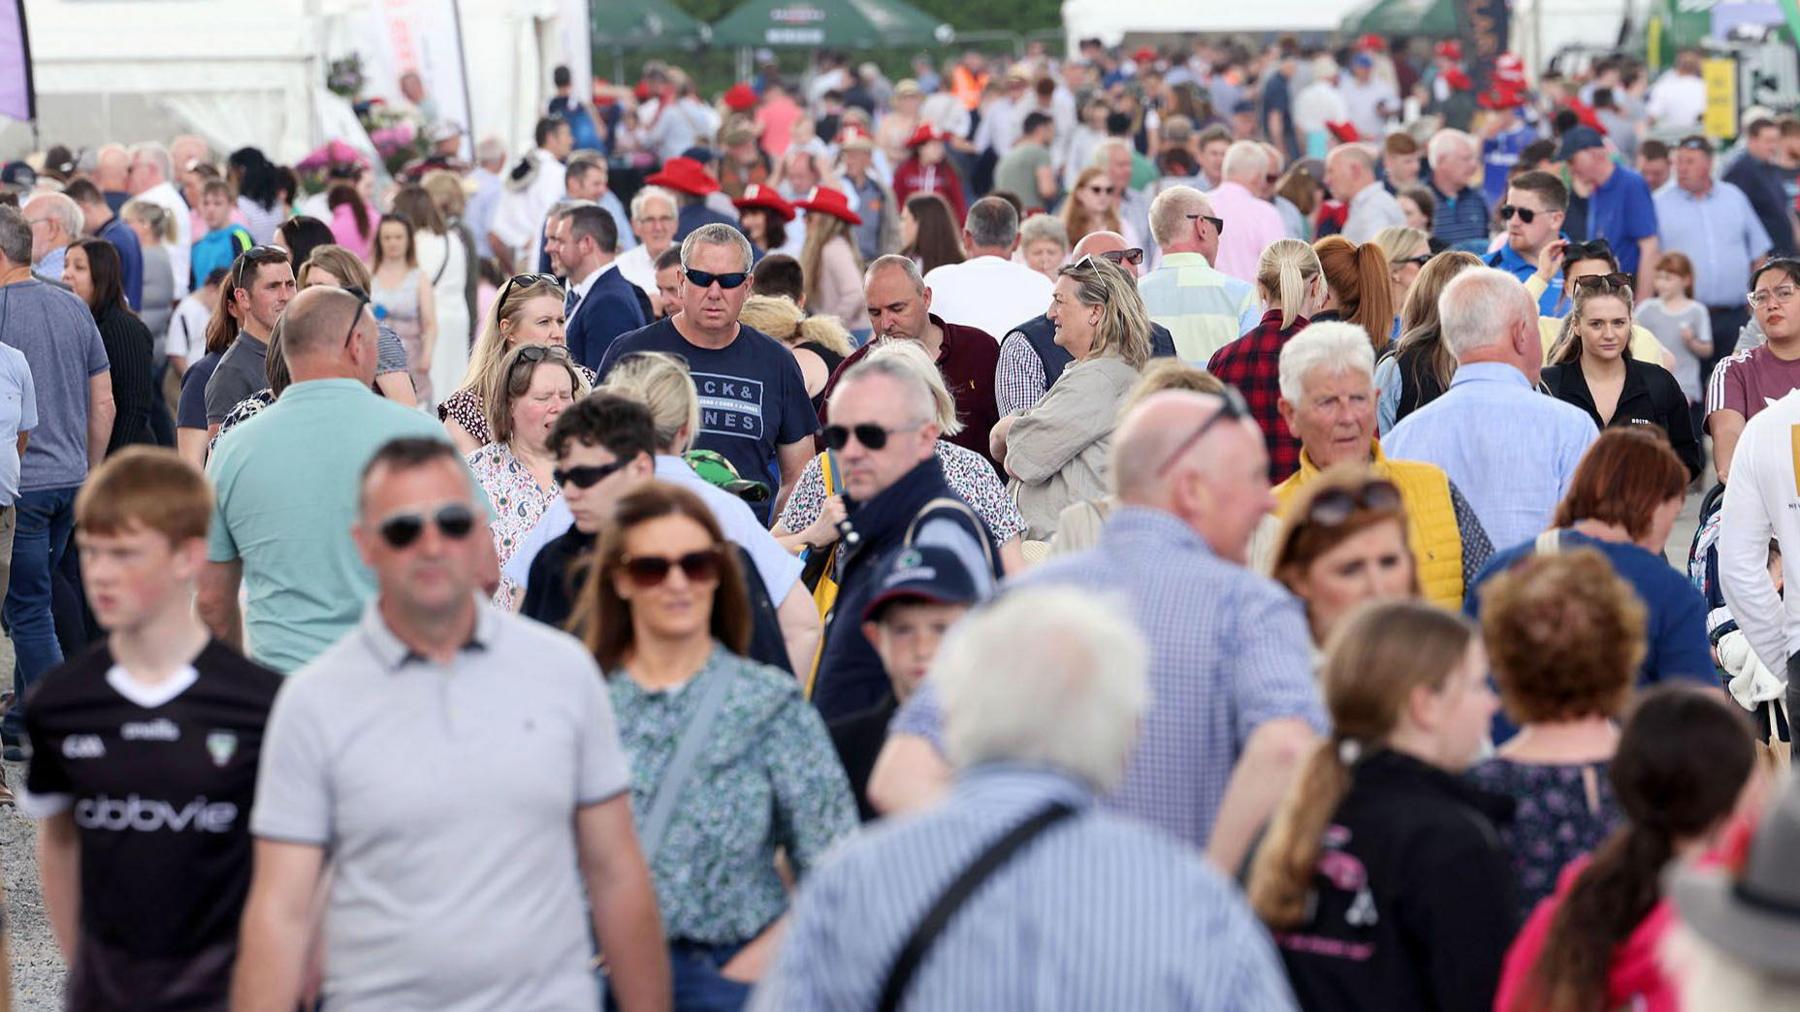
992	223
1333	346
1105	148
491	149
1050	677
63	210
649	193
896	261
716	234
156	155
1169	211
1042	228
1245	160
1480	306
922	400
1442	140
910	355
1710	976
1359	153
15	236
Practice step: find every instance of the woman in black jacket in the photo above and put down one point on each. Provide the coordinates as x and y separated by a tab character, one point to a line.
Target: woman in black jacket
1592	368
91	270
1382	877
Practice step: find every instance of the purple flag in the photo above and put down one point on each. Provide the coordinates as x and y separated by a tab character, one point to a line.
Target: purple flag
17	100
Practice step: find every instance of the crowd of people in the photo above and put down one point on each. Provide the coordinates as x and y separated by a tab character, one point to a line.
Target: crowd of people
1156	529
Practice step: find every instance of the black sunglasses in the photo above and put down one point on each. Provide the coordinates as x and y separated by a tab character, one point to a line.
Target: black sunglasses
703	279
532	354
454	521
362	302
1233	408
258	255
1603	282
526	281
1422	259
586	476
872	436
1338	505
652	570
1218	224
1526	214
1133	256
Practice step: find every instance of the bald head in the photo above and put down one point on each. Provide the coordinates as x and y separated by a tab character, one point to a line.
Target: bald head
1096	243
317	339
1174	453
1150	435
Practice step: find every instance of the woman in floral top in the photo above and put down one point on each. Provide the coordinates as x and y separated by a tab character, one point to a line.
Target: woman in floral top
531	389
1564	636
666	616
528	310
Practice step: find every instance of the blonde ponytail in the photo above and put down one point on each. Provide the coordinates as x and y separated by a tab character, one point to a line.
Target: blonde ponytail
1284	273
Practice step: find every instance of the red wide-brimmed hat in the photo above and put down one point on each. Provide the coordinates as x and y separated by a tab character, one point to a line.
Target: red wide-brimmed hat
826	200
1372	43
765	197
1449	49
1501	96
1509	71
740	97
926	132
686	175
1586	116
1345	133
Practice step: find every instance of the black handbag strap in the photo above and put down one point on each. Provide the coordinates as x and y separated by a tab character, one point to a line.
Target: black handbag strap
912	954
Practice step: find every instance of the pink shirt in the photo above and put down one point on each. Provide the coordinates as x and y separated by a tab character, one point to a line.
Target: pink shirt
1251	224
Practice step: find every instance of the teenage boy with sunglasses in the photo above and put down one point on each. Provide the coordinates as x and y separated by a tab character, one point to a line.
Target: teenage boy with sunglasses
462	769
284	478
754	407
146	755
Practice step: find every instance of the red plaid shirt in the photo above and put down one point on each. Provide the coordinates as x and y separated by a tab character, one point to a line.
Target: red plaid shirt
1252	363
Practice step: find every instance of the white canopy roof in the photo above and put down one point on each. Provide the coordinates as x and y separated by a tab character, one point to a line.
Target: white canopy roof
1110	20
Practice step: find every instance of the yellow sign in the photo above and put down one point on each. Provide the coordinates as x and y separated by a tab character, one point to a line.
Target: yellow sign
1720	75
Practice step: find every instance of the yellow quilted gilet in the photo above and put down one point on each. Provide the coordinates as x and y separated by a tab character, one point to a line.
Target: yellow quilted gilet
1431	529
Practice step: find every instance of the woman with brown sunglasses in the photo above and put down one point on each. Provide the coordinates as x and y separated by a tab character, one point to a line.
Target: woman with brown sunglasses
730	764
1343	544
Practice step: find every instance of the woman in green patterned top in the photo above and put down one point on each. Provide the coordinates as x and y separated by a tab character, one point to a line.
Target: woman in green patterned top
667	617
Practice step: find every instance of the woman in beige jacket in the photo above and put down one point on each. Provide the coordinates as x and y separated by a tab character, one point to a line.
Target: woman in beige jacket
829	261
1056	452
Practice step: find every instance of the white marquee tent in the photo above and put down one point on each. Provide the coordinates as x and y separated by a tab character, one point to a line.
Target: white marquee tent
1111	21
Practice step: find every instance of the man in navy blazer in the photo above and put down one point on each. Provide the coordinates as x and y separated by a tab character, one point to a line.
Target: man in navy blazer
602	304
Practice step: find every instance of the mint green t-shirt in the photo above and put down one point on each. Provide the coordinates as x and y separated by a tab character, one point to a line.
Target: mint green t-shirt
286	487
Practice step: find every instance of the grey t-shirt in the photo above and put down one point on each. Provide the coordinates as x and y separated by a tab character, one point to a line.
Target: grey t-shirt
56	333
1657	319
242	371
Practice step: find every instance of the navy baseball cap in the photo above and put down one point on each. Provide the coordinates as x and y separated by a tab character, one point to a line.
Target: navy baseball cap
926	574
18	174
1578	138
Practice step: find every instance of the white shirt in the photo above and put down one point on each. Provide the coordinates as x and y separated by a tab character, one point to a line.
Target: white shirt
1364	102
1761	501
989	294
187	329
165	196
520	217
1317	104
1371	210
1677	101
638	268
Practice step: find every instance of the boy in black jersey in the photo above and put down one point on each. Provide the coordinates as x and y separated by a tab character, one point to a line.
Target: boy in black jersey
145	755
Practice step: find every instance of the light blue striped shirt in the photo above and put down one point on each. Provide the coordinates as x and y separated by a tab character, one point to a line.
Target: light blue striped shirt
1097	913
1509	448
1204	309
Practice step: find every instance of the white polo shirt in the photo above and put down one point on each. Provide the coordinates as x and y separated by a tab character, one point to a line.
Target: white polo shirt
989	294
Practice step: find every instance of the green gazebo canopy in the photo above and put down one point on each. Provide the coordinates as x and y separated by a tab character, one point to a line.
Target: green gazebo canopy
1431	18
839	24
643	24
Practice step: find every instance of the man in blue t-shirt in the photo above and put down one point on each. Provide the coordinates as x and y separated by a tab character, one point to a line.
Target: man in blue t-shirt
1619	208
753	405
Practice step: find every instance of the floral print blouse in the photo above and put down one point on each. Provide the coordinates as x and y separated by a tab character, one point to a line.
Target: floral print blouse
968	472
1563	812
518	503
767	780
467	408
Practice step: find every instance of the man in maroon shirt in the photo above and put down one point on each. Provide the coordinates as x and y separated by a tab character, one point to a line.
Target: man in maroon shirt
900	309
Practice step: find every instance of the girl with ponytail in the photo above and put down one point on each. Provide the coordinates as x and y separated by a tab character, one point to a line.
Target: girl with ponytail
1290	283
1684	758
1358	289
1381	875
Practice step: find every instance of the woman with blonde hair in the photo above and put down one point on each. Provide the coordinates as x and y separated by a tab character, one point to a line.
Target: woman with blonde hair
1381	874
1408	250
810	518
1342	543
1291	283
819	344
1057	451
829	261
1357	287
528	310
1092	206
1416	370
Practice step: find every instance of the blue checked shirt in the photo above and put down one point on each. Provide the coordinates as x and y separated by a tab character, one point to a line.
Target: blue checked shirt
1228	653
1097	913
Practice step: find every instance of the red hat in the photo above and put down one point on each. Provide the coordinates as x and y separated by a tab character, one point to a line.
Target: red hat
686	175
1501	96
826	200
1509	70
1586	116
855	135
1372	43
1449	49
740	97
926	132
1457	80
1144	54
1344	132
765	197
642	91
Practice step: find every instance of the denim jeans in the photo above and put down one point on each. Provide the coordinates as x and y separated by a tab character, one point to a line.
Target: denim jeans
699	987
41	533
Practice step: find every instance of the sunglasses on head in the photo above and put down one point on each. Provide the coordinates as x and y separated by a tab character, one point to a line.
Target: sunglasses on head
257	255
1332	508
704	279
1218	224
1133	256
1597	249
362	303
532	354
871	436
648	571
526	281
586	476
1526	214
454	521
1234	408
1603	282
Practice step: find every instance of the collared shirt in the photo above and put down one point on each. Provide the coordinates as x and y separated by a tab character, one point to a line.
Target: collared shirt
1098	913
1513	262
1720	233
448	892
1252	363
966	359
1204	309
1621	211
1371	210
1251	224
988	293
1460	219
1510	449
767	780
1228	653
51	267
